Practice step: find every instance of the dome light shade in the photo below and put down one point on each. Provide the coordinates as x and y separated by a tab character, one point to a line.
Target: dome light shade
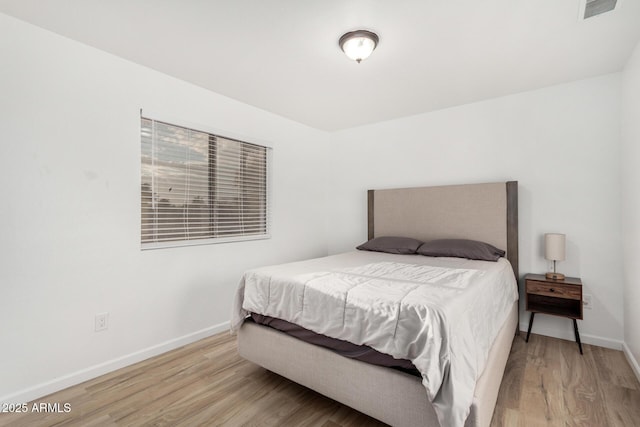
358	45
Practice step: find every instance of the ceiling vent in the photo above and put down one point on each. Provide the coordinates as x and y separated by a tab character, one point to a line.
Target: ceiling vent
597	7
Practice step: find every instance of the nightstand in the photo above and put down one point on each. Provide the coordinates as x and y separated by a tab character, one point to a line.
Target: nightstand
558	297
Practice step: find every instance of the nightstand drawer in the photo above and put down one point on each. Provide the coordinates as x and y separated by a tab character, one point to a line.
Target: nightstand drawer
557	290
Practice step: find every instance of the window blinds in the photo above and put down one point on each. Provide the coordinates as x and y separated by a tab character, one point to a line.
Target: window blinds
196	185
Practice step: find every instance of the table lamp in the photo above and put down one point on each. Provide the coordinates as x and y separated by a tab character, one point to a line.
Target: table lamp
554	250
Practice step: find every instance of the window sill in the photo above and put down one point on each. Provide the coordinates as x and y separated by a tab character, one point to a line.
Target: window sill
200	242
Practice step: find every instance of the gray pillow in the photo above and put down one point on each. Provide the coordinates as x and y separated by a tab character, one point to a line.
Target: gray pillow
461	248
391	245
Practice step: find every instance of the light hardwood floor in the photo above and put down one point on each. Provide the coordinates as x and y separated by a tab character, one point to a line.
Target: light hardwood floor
547	383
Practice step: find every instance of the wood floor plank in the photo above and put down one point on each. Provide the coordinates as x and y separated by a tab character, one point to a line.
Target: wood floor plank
577	393
613	368
541	396
622	405
319	418
546	383
582	393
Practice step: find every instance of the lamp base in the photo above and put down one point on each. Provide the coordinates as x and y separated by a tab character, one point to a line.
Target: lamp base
555	276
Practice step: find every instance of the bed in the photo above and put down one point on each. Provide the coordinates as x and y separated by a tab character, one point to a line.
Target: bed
482	212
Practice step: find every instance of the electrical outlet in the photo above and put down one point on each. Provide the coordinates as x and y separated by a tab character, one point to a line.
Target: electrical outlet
587	302
102	322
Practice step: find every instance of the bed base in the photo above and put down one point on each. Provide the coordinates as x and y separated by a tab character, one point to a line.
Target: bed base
391	396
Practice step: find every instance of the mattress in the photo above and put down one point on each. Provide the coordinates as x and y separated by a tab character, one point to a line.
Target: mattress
442	314
362	353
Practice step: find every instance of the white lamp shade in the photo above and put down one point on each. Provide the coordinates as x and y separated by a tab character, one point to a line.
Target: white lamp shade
358	45
554	246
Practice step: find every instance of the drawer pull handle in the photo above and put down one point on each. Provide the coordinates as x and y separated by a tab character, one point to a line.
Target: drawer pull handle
551	290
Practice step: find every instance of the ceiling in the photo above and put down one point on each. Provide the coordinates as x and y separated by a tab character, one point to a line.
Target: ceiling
283	56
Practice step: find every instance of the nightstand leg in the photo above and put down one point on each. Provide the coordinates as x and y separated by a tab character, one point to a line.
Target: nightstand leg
531	324
575	329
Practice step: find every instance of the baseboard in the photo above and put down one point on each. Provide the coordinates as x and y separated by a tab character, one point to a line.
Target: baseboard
585	338
74	378
631	359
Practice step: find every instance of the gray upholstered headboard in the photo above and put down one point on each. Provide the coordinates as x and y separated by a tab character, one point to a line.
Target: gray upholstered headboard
485	212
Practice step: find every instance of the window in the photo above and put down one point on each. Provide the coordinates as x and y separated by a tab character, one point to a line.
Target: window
197	186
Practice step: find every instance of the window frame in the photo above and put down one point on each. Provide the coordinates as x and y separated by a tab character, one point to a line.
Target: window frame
215	132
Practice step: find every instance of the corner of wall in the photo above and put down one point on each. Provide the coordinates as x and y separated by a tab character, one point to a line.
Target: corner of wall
632	360
630	201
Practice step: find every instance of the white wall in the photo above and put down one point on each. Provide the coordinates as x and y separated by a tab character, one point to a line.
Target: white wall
70	213
631	206
69	221
560	143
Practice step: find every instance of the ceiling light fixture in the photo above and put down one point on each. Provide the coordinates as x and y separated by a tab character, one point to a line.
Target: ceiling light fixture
359	44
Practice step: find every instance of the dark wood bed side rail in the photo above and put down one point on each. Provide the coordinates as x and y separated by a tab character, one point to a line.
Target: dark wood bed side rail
370	201
512	226
512	236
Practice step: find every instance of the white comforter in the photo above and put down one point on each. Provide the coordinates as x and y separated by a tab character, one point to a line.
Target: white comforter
441	313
